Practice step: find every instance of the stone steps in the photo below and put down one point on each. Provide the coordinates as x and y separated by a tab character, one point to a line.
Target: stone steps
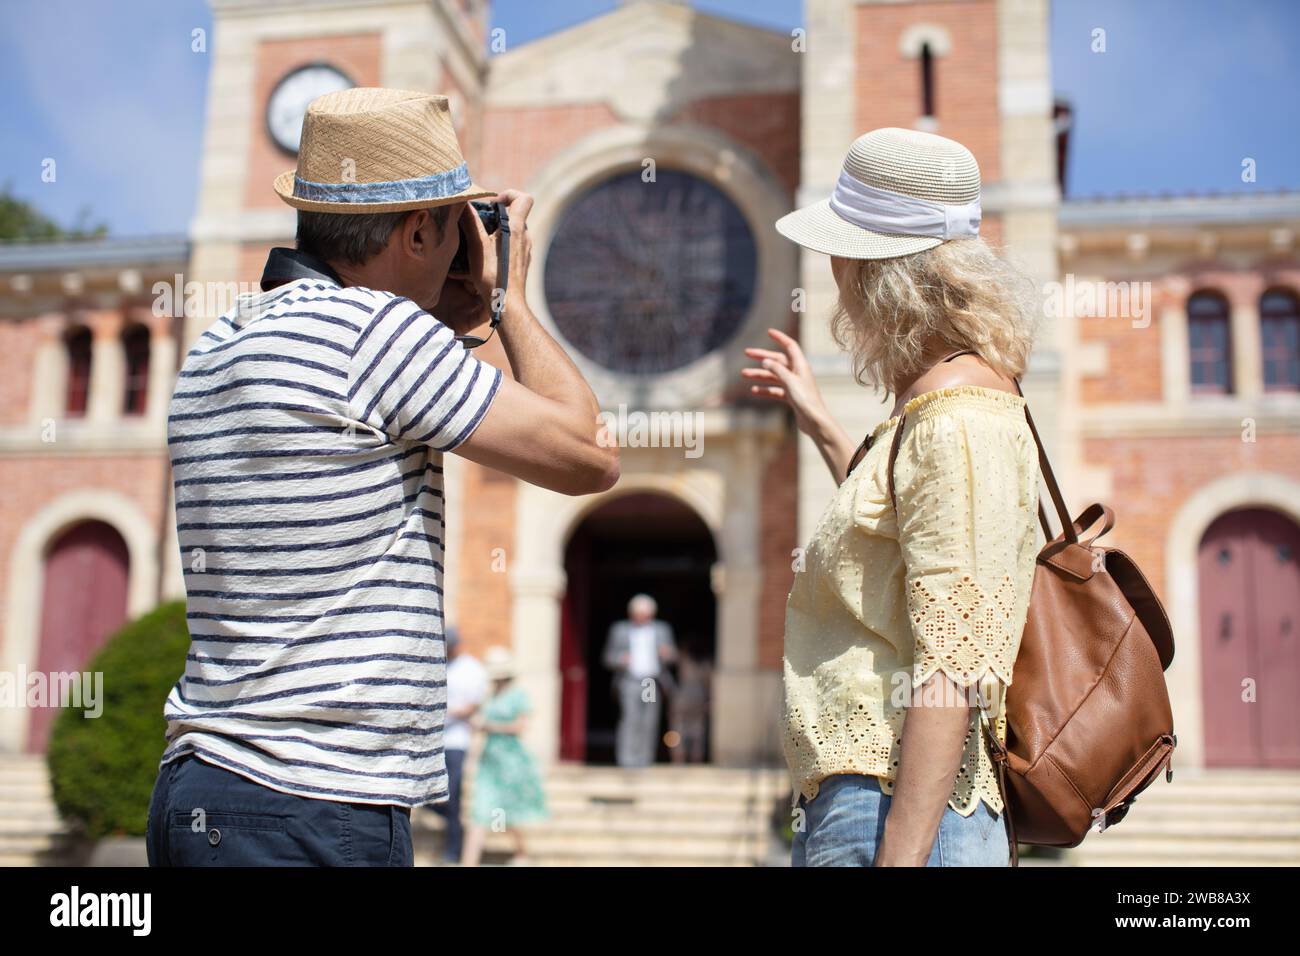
718	816
1220	818
654	816
31	832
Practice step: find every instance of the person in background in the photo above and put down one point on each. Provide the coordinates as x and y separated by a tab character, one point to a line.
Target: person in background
467	688
688	708
638	651
507	790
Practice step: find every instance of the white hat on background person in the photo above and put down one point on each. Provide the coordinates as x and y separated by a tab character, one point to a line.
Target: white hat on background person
499	662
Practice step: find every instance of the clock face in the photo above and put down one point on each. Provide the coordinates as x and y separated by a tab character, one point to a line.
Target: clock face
291	96
644	278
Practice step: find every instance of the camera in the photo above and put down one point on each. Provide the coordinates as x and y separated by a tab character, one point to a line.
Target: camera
489	213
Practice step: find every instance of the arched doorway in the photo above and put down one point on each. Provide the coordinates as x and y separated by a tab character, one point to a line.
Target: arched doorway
1249	583
636	543
84	600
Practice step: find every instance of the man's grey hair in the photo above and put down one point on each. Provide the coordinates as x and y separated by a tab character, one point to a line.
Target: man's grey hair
353	238
645	601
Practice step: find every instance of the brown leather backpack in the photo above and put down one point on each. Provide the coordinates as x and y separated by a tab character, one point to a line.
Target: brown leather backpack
1089	725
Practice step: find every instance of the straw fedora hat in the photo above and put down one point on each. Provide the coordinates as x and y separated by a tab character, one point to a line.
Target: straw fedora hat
900	191
375	150
499	663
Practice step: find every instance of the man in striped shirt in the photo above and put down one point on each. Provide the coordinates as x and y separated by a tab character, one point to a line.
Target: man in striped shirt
307	433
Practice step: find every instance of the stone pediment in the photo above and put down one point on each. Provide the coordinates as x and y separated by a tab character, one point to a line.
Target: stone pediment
645	60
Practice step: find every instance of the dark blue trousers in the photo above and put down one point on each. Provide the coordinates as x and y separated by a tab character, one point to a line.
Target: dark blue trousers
450	809
202	815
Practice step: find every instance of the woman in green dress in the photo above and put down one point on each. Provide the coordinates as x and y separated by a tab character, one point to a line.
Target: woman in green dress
507	789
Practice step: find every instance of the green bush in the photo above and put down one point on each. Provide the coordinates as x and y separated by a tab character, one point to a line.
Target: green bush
103	770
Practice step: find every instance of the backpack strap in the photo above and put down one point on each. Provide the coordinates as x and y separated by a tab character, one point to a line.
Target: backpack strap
1068	529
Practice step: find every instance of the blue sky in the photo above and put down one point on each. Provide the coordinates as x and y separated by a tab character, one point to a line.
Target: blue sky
112	92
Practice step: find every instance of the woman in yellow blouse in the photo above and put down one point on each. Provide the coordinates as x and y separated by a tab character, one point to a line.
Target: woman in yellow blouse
903	625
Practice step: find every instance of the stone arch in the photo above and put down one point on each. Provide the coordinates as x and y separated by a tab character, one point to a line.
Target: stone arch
545	522
26	580
918	35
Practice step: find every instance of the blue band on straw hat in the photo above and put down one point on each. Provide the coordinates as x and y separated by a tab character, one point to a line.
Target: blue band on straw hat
437	186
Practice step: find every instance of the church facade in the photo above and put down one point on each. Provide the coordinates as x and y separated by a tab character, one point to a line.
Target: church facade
661	144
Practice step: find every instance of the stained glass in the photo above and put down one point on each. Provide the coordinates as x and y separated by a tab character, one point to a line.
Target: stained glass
646	277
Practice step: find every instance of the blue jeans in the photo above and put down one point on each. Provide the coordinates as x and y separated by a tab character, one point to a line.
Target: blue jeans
450	809
202	815
843	824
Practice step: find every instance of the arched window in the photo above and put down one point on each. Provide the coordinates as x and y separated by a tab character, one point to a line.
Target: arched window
135	347
1209	342
927	44
77	344
927	80
1279	318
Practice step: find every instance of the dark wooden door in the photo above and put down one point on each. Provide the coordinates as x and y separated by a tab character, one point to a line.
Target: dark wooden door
1249	579
573	650
84	601
640	542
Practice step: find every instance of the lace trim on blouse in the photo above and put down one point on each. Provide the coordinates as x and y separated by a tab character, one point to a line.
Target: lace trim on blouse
859	617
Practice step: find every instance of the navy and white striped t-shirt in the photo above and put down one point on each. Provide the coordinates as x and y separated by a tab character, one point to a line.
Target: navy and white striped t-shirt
306	433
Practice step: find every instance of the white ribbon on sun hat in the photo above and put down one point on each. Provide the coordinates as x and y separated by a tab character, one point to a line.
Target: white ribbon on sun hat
895	214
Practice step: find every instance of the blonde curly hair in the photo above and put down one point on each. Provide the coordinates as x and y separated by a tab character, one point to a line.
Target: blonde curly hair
890	310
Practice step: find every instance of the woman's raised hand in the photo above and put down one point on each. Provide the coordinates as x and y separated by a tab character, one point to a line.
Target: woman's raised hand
786	376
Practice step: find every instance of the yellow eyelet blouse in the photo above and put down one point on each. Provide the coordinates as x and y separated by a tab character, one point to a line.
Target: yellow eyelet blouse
885	599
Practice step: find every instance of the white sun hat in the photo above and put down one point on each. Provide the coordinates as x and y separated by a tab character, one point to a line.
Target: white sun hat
901	191
499	663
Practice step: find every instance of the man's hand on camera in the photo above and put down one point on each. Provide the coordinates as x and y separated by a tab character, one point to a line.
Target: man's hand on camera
459	306
483	248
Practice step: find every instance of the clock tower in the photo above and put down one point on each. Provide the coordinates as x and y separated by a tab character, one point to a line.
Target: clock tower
273	57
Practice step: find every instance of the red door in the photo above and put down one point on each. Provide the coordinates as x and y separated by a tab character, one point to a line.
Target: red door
1249	570
84	602
573	650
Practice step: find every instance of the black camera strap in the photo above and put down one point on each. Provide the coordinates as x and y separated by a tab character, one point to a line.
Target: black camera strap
503	279
284	265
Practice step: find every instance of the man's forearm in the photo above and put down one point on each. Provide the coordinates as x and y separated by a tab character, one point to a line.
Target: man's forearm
538	362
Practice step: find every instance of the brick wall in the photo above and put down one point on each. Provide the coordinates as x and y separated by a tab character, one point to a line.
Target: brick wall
519	141
778	537
888	84
357	56
19	341
31	482
767	123
1152	478
487	510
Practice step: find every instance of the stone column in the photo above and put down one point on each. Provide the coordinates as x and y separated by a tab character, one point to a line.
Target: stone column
107	366
743	728
535	631
1247	358
162	363
49	371
1176	375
